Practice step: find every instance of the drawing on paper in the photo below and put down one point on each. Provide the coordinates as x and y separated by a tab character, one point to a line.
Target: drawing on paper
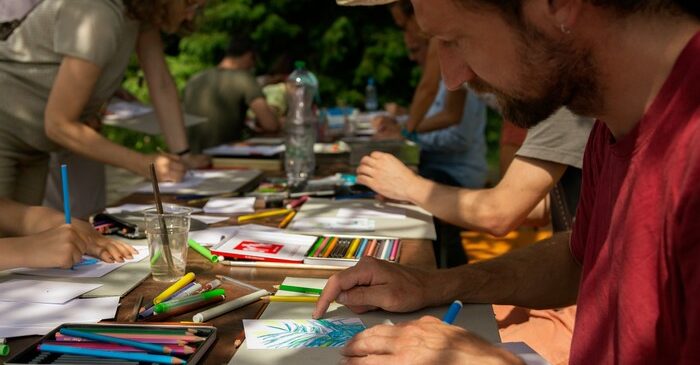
303	333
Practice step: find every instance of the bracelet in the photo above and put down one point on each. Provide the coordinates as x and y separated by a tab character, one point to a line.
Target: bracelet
183	152
411	136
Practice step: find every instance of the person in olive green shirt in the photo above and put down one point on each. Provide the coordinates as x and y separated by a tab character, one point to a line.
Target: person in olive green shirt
223	95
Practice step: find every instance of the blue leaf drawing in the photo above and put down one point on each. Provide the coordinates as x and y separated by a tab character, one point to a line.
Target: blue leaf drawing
334	332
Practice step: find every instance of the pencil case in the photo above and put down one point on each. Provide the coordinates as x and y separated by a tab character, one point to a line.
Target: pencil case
347	250
199	337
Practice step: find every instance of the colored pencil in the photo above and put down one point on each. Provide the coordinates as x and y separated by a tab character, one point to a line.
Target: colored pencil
288	218
211	285
186	279
371	248
353	247
116	339
279	265
297	203
160	359
66	193
330	247
162	341
394	251
387	249
378	249
190	289
281	298
238	282
361	250
138	330
301	289
61	336
266	214
314	247
79	359
178	350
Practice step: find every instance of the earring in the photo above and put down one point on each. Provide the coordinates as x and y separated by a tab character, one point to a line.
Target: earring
564	29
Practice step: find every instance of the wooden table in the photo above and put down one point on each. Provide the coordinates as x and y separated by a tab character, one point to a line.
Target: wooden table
416	253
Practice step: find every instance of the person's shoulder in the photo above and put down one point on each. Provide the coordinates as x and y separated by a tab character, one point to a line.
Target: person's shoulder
102	14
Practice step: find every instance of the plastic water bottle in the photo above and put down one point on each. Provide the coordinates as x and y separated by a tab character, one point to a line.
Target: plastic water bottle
299	159
371	103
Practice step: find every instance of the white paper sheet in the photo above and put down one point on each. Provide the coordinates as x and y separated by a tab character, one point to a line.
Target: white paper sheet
264	334
22	319
212	236
333	224
244	150
230	205
209	219
96	270
379	212
38	291
139	208
172	187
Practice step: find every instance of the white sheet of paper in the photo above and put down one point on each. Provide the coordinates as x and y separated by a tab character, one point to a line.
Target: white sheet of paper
333	224
383	212
96	270
244	150
230	205
264	334
209	219
188	182
21	319
139	208
525	352
212	236
38	291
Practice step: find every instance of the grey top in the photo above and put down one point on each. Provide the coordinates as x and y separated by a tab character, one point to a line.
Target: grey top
560	138
93	30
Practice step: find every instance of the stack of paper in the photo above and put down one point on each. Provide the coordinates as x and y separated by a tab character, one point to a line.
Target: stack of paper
265	246
34	307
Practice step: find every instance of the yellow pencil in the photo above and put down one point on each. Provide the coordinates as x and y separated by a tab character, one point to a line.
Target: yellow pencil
269	213
175	287
330	247
287	219
353	248
279	298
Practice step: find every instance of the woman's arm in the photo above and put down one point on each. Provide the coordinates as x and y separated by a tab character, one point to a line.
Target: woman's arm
70	93
450	115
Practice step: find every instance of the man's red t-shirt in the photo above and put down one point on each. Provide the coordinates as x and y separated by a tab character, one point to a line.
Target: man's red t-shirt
637	233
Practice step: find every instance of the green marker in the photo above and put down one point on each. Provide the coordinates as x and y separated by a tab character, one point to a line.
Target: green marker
4	348
172	304
202	250
301	289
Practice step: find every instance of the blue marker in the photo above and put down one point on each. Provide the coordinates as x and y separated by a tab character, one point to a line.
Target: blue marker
87	261
66	196
452	312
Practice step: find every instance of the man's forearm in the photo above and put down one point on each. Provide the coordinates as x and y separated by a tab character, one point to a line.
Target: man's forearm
544	275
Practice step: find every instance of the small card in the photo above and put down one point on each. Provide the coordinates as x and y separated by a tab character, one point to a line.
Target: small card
230	205
265	334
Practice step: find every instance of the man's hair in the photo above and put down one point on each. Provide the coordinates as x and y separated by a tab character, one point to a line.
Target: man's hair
406	7
149	11
512	8
239	46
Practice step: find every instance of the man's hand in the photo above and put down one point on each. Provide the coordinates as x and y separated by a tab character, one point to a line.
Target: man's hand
425	341
373	284
102	247
387	176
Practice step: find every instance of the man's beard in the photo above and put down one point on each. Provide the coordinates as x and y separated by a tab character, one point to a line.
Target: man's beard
554	74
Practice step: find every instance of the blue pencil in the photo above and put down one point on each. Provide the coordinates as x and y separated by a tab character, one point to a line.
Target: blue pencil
452	312
148	358
66	195
361	249
120	341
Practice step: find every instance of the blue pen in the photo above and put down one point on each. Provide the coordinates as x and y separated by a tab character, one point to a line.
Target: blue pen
452	312
66	196
87	261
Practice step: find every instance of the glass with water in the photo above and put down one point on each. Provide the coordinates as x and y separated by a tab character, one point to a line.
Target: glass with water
168	247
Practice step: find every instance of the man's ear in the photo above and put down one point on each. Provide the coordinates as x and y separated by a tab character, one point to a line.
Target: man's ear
565	13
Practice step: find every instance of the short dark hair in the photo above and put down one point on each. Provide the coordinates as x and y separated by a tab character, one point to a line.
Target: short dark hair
406	7
239	46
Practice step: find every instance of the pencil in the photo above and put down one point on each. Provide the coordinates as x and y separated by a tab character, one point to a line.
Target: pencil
185	309
370	248
66	193
363	246
179	350
229	306
280	298
149	358
353	248
315	246
287	219
317	251
330	247
394	251
118	340
137	306
269	213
